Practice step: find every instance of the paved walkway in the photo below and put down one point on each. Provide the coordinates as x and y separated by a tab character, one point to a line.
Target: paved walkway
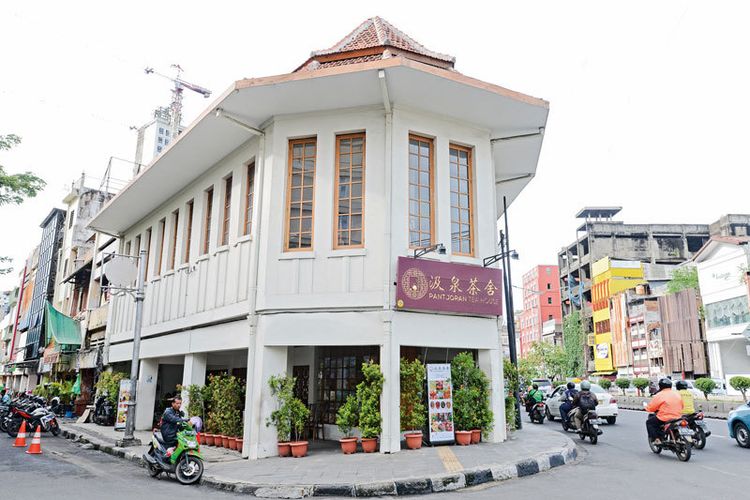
327	472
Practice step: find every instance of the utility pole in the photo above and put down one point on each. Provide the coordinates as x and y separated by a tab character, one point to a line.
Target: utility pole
504	242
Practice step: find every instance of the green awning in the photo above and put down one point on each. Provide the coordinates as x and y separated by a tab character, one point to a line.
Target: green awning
64	330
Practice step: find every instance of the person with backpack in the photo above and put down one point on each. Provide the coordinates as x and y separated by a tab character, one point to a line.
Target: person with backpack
567	405
583	402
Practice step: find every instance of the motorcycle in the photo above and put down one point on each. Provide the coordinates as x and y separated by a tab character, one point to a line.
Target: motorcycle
34	412
590	428
699	428
104	412
677	438
184	461
537	413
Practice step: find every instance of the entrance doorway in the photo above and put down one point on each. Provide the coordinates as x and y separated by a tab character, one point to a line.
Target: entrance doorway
301	376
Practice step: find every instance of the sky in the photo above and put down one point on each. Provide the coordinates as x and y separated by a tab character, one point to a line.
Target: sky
648	105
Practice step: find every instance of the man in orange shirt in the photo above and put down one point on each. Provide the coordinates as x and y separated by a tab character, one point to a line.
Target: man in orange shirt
666	405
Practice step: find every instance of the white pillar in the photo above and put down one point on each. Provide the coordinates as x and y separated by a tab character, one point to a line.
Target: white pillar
714	360
250	387
269	360
146	397
390	437
193	373
490	361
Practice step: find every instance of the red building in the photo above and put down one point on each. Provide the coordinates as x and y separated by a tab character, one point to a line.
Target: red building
541	303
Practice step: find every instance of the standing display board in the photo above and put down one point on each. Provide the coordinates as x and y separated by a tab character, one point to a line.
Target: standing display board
123	398
440	403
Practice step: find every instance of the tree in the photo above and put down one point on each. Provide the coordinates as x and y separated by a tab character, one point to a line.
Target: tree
573	344
740	383
605	383
549	358
14	189
623	383
705	385
413	411
683	278
640	384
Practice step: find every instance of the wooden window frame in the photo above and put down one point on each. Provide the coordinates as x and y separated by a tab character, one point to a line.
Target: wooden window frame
162	228
137	245
247	226
470	179
336	244
226	213
288	201
173	240
431	141
147	246
188	238
208	212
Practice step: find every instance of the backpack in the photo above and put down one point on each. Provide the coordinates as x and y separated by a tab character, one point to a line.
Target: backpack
586	401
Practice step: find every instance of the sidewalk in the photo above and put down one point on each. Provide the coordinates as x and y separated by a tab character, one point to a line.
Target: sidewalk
328	472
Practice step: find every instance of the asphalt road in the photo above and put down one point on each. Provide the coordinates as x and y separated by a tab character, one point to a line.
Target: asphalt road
621	466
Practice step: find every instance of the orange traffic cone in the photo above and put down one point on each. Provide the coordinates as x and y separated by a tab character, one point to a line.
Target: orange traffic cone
21	438
36	442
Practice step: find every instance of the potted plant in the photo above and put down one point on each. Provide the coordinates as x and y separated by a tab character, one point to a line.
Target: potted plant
232	443
282	388
483	417
208	439
368	395
298	413
224	415
346	419
412	410
463	397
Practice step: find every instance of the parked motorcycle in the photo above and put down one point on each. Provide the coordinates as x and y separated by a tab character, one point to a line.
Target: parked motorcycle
184	461
104	411
34	411
699	428
678	438
537	413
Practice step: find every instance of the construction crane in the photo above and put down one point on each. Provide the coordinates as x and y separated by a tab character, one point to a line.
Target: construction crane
175	115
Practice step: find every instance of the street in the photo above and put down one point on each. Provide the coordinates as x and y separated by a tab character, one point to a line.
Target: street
620	462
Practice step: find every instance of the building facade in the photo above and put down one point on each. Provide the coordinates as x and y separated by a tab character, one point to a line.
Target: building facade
275	225
541	303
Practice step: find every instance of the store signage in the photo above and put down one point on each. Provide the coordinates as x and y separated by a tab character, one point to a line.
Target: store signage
440	402
427	285
123	398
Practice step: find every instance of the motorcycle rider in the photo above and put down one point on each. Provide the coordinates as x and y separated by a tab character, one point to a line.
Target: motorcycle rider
533	397
666	405
568	396
170	420
583	402
688	400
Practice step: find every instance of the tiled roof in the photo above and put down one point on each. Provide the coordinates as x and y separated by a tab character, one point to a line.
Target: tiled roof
378	39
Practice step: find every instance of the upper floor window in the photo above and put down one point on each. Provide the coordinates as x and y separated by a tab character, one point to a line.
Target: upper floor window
421	186
71	215
225	219
300	194
173	239
207	214
249	194
349	194
147	248
160	245
137	246
462	216
188	231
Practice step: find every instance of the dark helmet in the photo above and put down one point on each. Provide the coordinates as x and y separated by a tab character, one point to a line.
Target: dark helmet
534	386
681	384
571	385
665	383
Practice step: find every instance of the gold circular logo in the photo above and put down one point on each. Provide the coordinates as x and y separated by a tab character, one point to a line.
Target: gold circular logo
400	303
414	283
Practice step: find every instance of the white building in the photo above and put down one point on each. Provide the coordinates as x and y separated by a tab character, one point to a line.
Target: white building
153	138
275	222
723	265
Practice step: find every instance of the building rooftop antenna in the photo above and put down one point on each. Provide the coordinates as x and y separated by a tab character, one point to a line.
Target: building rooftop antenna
175	107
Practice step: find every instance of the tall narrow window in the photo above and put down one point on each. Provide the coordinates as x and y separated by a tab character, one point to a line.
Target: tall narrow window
127	248
173	239
350	183
147	248
300	194
160	245
462	210
188	232
249	194
137	246
208	212
224	238
421	176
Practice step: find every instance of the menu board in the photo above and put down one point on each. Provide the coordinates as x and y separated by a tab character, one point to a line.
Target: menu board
126	391
440	402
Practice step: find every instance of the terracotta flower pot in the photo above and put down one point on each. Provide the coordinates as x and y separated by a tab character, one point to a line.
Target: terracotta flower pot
348	445
209	439
413	440
369	445
232	443
299	448
201	437
476	436
225	441
240	442
463	438
284	449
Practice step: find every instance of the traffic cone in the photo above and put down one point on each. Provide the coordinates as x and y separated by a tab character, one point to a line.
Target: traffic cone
20	441
36	442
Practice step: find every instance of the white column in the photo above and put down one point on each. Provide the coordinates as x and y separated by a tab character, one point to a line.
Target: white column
268	361
714	360
390	437
146	397
490	361
251	393
193	373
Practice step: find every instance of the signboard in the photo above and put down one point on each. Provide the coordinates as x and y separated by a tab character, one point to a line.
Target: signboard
440	402
427	285
123	398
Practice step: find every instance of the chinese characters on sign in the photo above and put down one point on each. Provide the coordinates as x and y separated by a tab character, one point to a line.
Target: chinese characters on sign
444	287
440	402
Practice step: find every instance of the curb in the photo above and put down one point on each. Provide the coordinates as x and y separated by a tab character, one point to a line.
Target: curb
399	487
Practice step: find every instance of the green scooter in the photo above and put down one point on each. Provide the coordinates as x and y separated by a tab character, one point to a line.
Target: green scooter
185	461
